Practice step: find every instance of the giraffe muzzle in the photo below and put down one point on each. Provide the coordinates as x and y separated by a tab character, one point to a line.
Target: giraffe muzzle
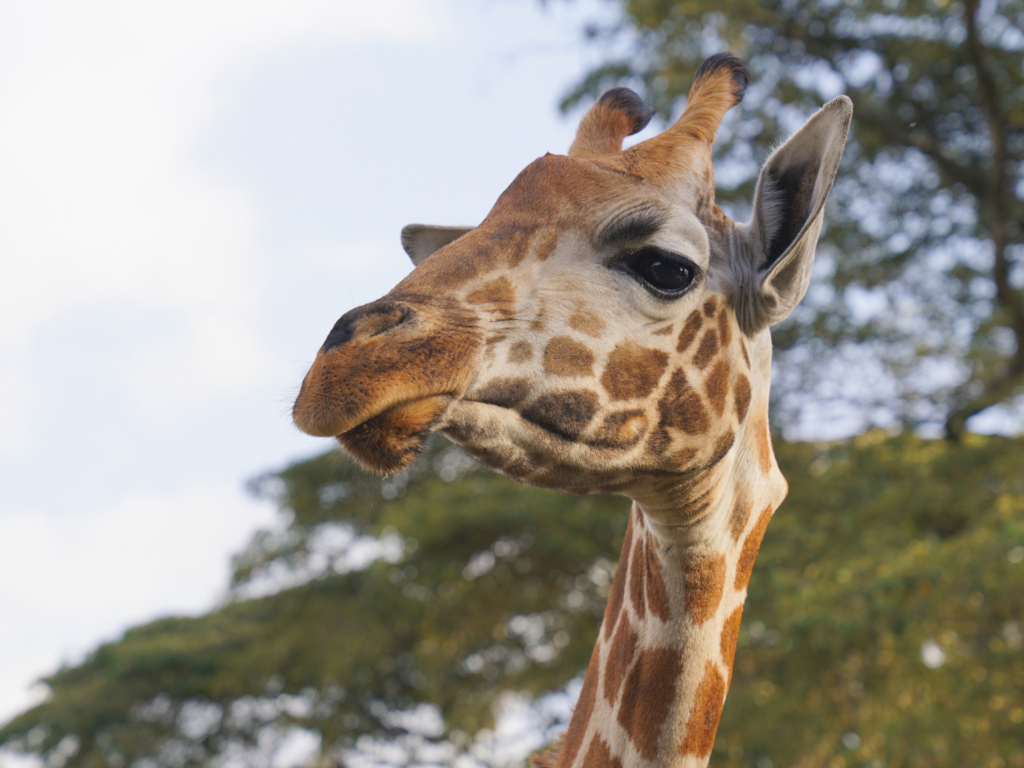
384	377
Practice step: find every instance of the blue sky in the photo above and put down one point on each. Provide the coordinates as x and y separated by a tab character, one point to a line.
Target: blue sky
192	193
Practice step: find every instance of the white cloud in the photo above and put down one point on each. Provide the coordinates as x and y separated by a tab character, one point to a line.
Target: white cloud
102	201
67	582
18	397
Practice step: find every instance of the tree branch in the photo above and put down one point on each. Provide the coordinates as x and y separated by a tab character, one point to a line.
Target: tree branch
994	212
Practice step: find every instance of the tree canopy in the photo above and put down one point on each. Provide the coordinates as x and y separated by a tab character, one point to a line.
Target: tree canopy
885	619
883	626
920	285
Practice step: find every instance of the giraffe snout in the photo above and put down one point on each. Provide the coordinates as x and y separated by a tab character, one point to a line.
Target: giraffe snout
367	321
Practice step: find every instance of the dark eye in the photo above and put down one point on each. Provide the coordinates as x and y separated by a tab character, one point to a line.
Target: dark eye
666	273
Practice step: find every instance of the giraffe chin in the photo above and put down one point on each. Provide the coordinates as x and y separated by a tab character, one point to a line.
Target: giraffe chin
391	440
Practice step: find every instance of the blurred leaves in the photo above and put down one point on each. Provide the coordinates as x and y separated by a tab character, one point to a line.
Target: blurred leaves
886	612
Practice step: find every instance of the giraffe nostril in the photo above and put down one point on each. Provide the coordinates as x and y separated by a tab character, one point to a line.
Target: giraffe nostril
366	322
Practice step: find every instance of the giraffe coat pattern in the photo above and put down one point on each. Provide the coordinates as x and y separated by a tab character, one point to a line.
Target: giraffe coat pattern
606	328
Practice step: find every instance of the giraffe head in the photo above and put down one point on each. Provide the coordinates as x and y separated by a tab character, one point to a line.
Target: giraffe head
605	328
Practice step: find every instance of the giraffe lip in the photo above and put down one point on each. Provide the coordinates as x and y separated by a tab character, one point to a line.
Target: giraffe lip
392	409
391	439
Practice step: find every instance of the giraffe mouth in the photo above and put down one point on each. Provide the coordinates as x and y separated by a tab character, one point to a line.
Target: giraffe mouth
572	423
389	441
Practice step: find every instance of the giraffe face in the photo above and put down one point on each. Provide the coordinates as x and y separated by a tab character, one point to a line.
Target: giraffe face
614	351
604	324
580	325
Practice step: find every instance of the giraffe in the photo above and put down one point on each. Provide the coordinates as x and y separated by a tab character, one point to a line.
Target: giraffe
606	328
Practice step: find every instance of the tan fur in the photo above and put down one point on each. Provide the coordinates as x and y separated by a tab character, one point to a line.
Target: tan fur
530	341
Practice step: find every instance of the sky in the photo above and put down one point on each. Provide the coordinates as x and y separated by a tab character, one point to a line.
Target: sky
191	193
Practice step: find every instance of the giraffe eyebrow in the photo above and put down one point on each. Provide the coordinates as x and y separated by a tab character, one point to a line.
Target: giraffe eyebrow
637	224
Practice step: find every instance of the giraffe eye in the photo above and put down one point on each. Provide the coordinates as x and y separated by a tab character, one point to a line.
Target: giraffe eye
666	275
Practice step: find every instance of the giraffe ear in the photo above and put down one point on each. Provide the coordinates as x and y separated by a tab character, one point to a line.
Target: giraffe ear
421	240
789	206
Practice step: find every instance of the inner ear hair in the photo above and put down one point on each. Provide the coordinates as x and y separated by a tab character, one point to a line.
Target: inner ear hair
792	188
770	221
777	248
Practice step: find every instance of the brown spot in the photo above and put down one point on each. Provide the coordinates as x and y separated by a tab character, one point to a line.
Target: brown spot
620	655
632	371
690	330
585	321
600	756
498	291
618	593
725	327
742	506
730	635
637	571
659	441
507	392
742	396
520	352
707	349
567	478
657	597
492	457
519	467
684	456
707	709
621	430
538	323
745	564
716	386
666	331
547	244
681	407
648	696
690	415
565	357
709	306
704	579
584	709
764	448
566	414
722	446
743	349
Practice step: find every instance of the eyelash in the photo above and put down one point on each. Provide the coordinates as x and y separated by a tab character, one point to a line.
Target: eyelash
651	265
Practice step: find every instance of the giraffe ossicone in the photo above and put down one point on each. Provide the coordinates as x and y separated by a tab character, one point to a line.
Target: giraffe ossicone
606	328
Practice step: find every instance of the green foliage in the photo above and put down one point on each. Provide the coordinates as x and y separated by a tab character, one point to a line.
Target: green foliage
883	548
888	552
921	280
480	591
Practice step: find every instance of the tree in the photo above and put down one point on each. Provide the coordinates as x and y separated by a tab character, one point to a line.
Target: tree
883	627
917	314
377	605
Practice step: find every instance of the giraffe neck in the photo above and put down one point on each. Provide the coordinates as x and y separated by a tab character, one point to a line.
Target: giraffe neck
657	679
